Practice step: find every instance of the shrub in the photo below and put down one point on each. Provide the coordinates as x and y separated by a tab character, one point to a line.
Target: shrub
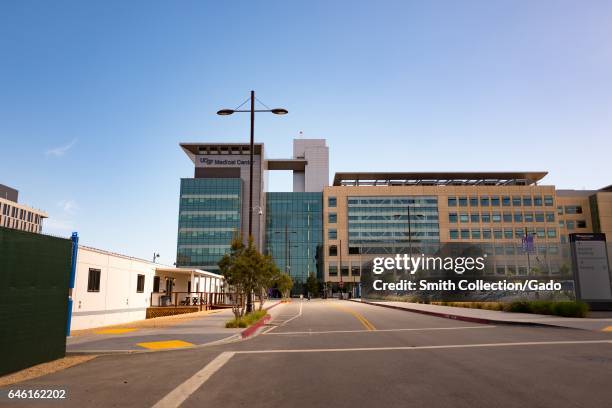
246	320
570	309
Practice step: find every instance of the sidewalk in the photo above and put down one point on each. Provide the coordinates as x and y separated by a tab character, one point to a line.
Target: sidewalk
157	334
603	323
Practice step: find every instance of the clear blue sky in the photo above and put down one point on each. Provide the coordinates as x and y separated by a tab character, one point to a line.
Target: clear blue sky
96	96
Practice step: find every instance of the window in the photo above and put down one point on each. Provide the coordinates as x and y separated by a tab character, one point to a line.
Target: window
559	210
333	250
507	217
331	202
474	201
539	216
551	233
332	234
519	233
496	217
452	201
463	201
495	201
518	217
540	232
573	209
344	270
332	218
355	270
475	217
484	201
508	233
463	218
548	201
506	201
550	217
581	224
486	233
485	217
353	250
528	217
537	201
561	224
475	234
333	269
93	281
140	283
526	201
452	217
516	201
497	234
454	234
465	234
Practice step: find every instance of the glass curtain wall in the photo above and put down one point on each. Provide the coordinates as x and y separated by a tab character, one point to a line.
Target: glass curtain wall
294	233
209	217
379	225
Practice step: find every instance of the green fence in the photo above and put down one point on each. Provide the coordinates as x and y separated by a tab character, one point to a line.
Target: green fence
34	276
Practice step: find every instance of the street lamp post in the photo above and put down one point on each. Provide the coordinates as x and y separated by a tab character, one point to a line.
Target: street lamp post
252	111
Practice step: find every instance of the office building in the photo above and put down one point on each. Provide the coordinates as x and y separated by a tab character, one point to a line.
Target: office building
18	216
214	205
335	231
379	214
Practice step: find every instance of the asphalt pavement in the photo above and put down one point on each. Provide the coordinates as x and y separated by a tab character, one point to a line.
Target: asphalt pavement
324	353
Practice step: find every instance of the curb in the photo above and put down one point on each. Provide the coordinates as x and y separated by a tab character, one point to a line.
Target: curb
249	331
470	319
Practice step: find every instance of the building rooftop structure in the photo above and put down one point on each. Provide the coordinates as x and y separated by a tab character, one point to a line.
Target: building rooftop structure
438	178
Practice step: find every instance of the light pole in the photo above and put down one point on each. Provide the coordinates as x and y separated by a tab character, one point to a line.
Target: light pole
155	256
226	112
252	111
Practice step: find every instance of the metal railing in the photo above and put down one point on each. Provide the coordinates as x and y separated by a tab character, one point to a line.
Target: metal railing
203	300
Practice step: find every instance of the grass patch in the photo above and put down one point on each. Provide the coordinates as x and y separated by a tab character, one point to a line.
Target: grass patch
246	320
545	307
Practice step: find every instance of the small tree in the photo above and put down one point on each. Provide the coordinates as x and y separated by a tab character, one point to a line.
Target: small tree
233	274
284	283
312	284
266	277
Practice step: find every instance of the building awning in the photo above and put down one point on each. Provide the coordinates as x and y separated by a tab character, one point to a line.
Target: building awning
188	271
438	178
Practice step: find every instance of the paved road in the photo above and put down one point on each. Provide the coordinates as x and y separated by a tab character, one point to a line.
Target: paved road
345	354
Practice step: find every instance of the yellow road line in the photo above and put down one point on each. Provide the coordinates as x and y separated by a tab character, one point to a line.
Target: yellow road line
169	344
115	331
366	323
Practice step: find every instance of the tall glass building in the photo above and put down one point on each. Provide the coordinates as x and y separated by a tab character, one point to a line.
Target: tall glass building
209	217
294	233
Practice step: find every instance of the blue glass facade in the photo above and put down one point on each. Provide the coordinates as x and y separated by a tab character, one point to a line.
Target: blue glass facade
294	233
379	225
209	217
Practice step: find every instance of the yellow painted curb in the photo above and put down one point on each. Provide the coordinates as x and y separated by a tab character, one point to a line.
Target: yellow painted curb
115	331
168	344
